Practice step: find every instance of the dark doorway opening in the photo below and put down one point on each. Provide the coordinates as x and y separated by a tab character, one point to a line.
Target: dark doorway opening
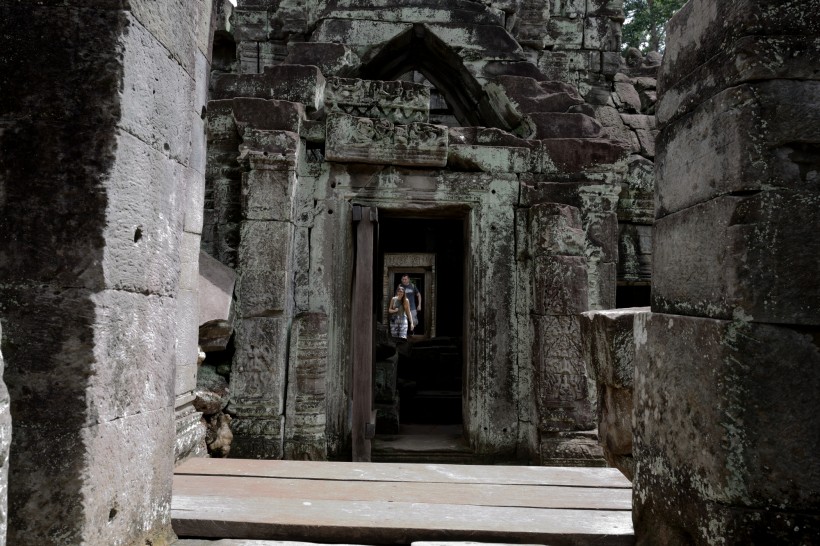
430	369
632	295
420	417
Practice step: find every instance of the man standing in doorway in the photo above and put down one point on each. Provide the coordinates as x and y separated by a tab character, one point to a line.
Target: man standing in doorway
413	296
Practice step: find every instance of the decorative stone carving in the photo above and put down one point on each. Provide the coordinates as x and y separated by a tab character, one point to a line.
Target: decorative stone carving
305	436
396	101
364	140
564	391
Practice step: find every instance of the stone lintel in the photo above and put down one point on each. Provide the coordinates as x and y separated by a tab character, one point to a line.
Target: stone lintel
364	140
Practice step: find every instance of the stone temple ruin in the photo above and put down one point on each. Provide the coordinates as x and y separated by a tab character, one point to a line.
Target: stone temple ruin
616	256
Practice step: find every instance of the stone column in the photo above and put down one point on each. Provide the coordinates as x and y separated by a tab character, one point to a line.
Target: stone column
99	146
560	293
265	293
728	370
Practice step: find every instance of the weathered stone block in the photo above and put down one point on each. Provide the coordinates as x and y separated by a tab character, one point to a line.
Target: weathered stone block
490	40
725	412
263	284
257	437
571	155
750	59
609	345
759	259
636	202
387	417
258	374
526	94
563	399
270	115
601	229
221	124
190	432
768	135
565	32
268	194
211	391
702	29
559	285
602	33
293	83
363	140
144	223
554	125
602	277
160	92
86	368
214	335
491	159
359	35
570	449
384	379
122	470
331	59
186	352
615	408
555	229
251	25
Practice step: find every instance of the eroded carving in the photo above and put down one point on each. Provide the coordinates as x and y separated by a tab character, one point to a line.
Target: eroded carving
363	140
395	101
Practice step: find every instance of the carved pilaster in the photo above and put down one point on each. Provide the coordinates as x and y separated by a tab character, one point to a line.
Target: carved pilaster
305	425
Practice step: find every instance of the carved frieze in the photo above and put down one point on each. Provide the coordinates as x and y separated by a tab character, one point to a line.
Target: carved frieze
363	140
395	101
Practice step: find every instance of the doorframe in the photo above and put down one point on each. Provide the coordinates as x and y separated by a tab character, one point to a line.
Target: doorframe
412	262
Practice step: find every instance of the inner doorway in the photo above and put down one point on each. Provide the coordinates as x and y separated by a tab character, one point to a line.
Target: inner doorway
420	417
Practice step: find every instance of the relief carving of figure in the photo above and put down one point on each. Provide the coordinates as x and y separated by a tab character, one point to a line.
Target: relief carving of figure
363	131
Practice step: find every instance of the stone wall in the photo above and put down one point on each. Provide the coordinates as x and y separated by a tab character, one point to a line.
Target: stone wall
101	171
5	444
728	364
313	118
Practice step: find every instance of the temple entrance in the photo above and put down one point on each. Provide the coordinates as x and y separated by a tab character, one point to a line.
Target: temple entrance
419	388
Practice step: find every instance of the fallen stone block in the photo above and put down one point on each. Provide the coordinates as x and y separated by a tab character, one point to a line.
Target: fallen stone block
214	335
758	258
215	289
